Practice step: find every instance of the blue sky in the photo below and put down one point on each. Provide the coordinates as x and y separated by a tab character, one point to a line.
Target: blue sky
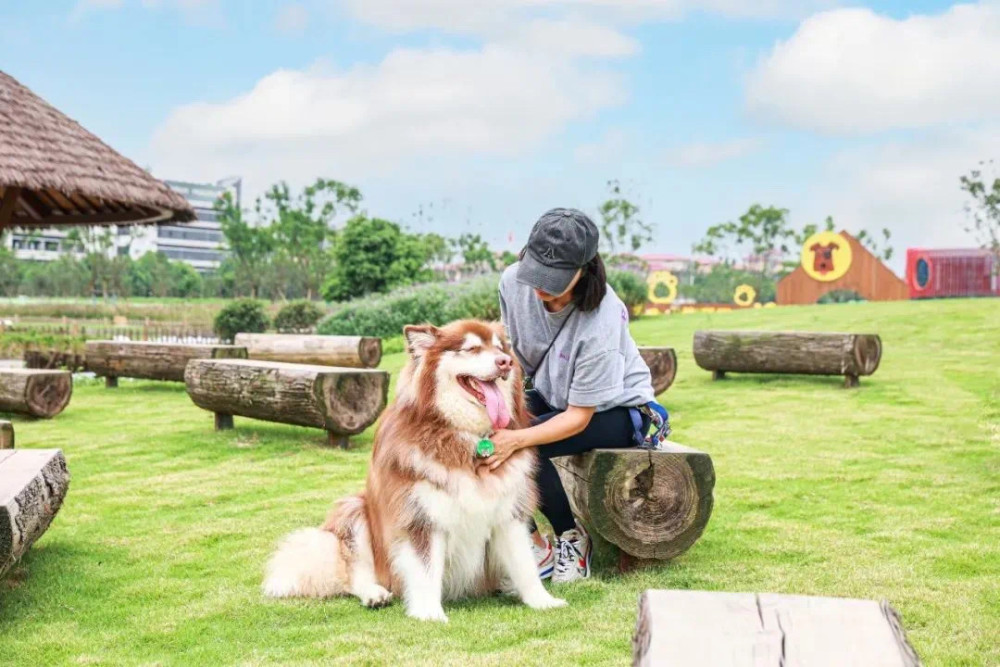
490	112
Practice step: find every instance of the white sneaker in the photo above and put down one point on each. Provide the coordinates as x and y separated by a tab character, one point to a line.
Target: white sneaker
573	562
545	558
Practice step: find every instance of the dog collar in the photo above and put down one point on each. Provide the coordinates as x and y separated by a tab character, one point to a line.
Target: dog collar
485	448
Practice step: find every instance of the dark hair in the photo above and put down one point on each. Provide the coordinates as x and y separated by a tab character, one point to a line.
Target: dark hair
592	286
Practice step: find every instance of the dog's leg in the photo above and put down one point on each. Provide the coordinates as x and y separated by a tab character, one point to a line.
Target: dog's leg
510	549
364	583
422	578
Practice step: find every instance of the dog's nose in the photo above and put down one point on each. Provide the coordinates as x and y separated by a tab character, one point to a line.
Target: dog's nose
504	363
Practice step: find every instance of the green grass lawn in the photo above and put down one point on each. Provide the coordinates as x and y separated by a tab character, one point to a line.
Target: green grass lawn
888	491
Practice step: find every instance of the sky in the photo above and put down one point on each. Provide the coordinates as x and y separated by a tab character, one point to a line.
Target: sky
484	114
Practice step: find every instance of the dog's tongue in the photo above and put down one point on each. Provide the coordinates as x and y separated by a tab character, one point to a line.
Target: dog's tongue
496	407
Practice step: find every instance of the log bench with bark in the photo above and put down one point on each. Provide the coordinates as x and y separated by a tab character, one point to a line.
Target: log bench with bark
662	362
341	401
649	505
112	359
342	351
795	352
36	393
683	628
6	435
33	483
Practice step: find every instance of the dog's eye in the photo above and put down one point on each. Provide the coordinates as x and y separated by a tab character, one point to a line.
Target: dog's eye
474	348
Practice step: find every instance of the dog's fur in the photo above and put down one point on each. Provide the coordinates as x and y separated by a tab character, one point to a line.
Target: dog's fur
429	525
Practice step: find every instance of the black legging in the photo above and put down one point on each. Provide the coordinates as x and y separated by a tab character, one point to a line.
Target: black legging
609	429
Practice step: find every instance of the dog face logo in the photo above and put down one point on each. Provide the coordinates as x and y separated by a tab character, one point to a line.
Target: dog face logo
823	257
465	369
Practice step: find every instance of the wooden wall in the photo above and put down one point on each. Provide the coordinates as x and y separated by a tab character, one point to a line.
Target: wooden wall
868	276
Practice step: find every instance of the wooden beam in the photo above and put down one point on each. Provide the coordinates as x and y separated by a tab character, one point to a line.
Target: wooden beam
35	207
109	218
7	204
60	199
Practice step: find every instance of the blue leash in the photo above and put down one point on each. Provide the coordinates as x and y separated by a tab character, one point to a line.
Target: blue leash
647	416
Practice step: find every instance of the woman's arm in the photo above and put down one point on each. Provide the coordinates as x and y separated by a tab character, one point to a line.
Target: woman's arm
564	425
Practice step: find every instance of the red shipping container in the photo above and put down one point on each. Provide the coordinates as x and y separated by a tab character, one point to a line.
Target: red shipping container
941	273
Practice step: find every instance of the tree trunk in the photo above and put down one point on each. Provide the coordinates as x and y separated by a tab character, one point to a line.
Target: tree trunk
341	351
685	628
151	361
33	483
652	505
36	393
341	401
807	353
6	435
662	362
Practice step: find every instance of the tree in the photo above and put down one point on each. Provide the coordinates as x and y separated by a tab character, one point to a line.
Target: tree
250	247
719	285
10	272
984	209
476	253
373	255
879	247
106	268
761	232
621	227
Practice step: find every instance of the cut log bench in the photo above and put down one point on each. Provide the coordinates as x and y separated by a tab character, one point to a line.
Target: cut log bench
662	362
694	628
340	351
649	505
341	401
33	483
6	435
112	359
803	353
35	393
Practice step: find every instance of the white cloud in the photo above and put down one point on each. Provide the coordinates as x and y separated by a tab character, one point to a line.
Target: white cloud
708	154
414	105
292	18
852	70
911	187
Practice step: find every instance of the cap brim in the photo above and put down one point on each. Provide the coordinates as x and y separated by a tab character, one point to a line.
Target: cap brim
550	280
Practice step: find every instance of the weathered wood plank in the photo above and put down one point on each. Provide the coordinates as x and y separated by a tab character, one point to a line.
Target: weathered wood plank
339	400
36	393
33	484
682	628
6	435
650	504
662	362
112	359
342	351
804	353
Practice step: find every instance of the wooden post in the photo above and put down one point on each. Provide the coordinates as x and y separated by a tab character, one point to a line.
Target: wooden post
652	505
337	440
223	421
110	382
6	435
718	375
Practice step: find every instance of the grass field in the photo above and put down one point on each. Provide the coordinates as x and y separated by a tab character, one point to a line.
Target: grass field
890	491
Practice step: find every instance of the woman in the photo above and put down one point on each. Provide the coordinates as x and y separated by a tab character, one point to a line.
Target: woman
570	333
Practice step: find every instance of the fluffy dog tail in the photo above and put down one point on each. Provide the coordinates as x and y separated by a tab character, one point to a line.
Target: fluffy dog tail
308	563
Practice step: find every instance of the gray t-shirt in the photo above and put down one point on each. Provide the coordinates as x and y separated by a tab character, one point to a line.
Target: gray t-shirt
594	363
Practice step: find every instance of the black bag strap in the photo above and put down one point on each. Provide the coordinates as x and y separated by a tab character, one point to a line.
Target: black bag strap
553	341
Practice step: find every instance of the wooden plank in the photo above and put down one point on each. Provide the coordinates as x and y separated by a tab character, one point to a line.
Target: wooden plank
683	628
33	484
7	205
6	435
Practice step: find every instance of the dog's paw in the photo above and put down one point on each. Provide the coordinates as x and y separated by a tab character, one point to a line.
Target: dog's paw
428	614
375	596
545	602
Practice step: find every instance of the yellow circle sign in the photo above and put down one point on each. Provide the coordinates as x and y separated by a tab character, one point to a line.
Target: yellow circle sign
668	280
745	295
826	256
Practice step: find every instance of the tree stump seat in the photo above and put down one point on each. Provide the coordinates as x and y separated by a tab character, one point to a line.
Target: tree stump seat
341	401
340	351
35	393
649	505
793	352
662	362
112	359
33	484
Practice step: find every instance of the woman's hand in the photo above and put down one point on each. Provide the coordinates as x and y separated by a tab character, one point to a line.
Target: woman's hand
505	443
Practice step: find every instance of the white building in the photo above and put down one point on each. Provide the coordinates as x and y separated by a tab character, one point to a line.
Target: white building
200	243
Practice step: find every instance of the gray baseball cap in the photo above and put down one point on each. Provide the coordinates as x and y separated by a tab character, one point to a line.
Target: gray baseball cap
561	242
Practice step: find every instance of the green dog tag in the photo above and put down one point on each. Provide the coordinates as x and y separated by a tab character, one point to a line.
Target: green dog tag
485	448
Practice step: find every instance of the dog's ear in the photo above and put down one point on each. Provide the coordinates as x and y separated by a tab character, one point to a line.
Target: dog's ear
499	329
420	338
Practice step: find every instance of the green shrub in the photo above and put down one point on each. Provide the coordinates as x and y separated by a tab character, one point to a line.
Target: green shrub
385	316
242	316
298	316
840	296
630	288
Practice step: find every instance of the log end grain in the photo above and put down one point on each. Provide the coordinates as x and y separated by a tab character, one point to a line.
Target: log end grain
867	353
370	351
662	362
354	400
49	394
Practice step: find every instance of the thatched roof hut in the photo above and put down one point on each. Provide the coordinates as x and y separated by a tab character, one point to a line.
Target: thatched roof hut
53	172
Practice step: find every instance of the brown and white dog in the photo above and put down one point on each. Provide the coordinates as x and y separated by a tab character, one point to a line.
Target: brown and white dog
429	525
